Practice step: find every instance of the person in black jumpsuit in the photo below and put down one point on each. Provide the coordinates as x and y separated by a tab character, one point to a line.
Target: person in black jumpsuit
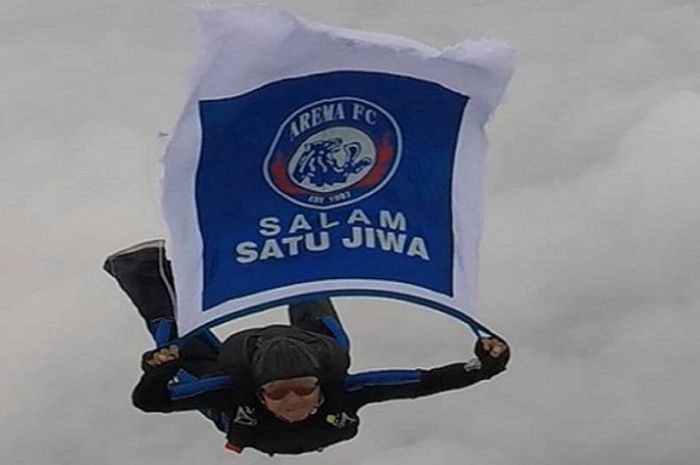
290	392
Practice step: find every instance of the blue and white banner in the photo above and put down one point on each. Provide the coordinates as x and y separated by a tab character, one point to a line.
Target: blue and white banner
314	160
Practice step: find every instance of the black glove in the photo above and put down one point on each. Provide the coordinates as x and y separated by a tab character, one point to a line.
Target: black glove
165	367
491	365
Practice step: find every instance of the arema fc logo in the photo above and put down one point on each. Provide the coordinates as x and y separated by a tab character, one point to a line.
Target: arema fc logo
333	152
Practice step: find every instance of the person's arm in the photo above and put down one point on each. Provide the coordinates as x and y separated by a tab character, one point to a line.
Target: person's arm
152	394
492	358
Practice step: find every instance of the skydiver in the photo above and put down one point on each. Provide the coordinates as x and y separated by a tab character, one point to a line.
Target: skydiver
290	390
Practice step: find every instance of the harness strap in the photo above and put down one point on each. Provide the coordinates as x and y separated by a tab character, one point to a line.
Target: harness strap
381	378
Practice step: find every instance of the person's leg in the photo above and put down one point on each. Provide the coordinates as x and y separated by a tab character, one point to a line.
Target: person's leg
144	273
318	316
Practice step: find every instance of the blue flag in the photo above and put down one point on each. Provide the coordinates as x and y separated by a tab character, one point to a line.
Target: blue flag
311	160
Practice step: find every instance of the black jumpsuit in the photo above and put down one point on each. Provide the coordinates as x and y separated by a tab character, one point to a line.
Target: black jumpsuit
144	274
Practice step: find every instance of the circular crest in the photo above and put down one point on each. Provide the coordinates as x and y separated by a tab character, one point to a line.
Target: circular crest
333	152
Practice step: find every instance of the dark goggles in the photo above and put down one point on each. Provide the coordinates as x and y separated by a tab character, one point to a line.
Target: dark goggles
279	389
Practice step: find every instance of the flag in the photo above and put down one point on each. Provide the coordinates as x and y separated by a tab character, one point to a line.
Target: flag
311	160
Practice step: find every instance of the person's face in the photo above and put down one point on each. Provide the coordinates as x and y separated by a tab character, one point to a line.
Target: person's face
292	399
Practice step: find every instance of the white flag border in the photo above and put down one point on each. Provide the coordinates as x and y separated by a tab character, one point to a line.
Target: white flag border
491	59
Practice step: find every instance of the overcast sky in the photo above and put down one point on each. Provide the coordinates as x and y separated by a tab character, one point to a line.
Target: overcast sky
590	260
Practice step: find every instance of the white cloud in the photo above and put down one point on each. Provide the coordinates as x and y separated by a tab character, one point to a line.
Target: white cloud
590	252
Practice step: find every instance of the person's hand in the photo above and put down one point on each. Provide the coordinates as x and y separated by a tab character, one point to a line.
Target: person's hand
163	355
493	353
493	347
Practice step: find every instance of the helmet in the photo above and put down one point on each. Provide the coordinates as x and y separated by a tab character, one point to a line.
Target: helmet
283	357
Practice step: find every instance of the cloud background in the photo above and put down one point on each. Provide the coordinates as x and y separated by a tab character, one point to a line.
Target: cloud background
589	262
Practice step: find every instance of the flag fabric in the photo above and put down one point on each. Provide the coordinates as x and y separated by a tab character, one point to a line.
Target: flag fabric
311	160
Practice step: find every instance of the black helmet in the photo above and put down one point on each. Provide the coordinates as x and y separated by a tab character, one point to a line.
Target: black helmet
283	357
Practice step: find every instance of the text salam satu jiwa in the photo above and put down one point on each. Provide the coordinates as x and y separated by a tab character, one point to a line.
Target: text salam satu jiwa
387	232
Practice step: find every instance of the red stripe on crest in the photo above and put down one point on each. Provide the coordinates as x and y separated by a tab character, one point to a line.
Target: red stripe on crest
278	173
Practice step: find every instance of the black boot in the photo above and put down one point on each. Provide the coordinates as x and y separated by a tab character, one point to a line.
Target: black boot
145	275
